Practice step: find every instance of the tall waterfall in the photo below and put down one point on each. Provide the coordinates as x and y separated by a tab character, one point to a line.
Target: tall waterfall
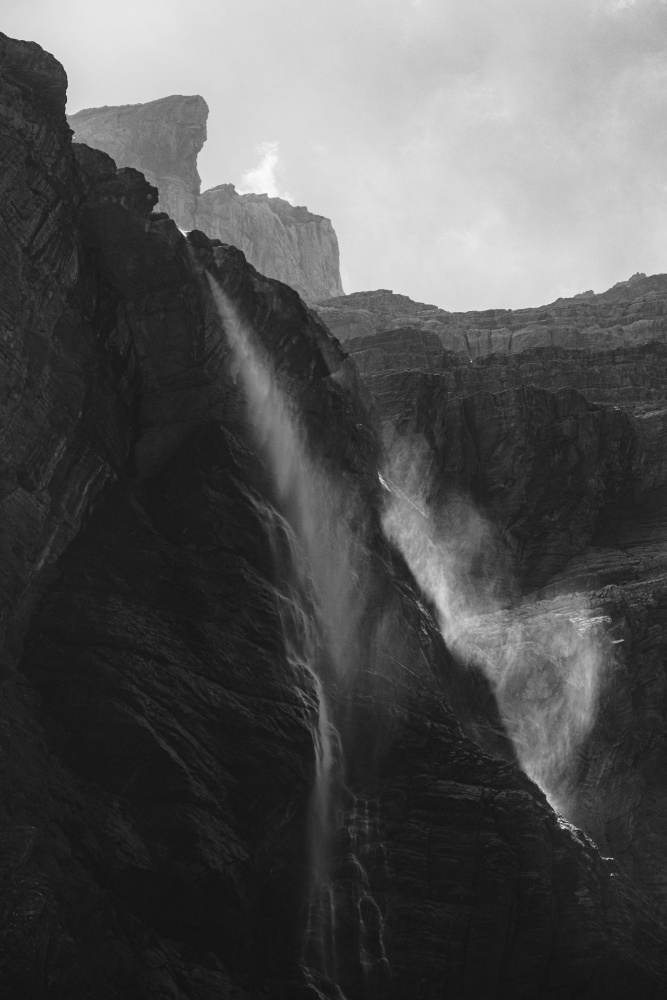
321	588
341	636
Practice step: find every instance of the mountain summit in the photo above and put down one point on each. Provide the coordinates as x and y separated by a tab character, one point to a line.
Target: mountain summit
162	139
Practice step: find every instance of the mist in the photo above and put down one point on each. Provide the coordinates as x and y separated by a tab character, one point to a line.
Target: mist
546	660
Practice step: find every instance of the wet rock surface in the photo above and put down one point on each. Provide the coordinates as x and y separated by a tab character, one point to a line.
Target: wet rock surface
157	740
544	439
563	450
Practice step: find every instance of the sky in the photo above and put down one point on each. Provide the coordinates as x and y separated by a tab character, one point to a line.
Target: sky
470	153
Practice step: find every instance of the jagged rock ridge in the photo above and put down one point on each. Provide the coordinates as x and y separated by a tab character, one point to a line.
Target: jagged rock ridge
162	139
632	312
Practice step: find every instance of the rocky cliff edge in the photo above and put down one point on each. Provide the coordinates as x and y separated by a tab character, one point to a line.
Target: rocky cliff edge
632	312
162	140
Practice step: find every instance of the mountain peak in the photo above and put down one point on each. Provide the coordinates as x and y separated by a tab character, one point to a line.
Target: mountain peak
162	139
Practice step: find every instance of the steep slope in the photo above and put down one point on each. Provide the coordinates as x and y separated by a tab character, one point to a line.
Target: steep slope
158	735
563	452
162	140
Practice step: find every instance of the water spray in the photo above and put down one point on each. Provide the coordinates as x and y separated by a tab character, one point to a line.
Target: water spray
545	660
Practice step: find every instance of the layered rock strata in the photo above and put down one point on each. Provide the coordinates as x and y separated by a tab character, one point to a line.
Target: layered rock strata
162	140
282	241
157	743
633	312
563	451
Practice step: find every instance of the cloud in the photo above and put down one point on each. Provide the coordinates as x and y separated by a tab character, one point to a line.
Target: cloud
524	150
262	179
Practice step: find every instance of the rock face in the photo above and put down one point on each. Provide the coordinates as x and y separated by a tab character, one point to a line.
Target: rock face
282	241
563	450
157	753
162	140
517	428
632	312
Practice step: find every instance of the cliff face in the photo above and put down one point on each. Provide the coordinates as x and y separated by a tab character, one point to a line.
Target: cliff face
162	140
158	754
564	453
282	241
632	312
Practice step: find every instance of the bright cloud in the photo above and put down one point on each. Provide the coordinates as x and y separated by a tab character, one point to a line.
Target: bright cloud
263	179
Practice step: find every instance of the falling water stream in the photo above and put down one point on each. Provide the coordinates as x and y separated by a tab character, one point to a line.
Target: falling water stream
321	569
545	667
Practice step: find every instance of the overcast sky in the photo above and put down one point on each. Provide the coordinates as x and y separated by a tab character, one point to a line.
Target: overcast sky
470	153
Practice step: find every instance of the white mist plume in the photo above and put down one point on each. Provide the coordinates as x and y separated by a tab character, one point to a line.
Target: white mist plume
545	659
262	179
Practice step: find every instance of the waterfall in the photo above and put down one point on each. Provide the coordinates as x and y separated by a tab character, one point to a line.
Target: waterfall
306	654
345	648
321	590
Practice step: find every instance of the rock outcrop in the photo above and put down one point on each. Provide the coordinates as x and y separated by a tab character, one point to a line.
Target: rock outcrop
157	750
282	241
162	140
632	312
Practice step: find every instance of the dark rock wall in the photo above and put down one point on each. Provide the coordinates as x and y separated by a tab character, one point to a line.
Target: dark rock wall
564	452
66	417
544	439
157	752
119	834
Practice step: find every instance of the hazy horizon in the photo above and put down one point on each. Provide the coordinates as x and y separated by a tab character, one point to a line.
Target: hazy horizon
470	154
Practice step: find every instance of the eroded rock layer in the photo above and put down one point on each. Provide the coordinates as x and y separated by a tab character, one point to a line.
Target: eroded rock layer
633	312
157	747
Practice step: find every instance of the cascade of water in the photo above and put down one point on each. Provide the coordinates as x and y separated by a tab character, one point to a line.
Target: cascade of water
366	851
304	651
321	585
